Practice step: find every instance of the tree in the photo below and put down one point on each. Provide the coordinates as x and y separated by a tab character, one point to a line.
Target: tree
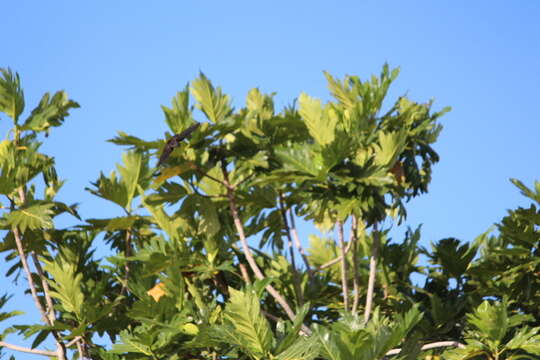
186	278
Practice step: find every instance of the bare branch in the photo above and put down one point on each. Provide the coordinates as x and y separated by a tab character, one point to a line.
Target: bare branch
32	285
434	345
27	350
73	341
296	277
126	266
372	272
47	318
247	252
245	273
338	259
46	290
294	234
344	283
356	275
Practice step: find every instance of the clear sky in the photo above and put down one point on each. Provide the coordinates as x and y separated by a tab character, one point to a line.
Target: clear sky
121	60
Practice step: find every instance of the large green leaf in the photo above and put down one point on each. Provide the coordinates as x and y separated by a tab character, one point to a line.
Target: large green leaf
389	146
11	94
32	216
321	122
135	172
215	105
66	282
111	188
491	319
245	326
179	117
132	343
49	112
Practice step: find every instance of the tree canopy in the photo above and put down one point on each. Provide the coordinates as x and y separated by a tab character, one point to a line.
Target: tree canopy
206	260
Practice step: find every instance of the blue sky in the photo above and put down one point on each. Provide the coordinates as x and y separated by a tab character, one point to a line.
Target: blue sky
121	61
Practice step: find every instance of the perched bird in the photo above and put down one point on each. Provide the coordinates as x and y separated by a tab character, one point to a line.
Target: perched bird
174	141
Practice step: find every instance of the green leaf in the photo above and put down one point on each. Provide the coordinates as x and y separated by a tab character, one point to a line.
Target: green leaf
293	336
215	105
389	146
111	188
11	94
302	160
131	344
166	223
6	315
245	326
32	217
304	348
41	336
210	223
179	117
134	142
321	122
134	172
491	320
114	224
49	112
533	195
66	282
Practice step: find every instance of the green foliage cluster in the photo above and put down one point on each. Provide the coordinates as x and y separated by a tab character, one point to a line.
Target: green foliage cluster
205	258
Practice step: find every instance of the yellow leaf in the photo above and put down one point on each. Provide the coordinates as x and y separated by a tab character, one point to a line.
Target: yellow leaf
169	172
157	291
190	329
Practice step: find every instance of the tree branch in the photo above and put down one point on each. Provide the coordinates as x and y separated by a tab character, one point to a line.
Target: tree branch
338	259
296	277
126	266
46	290
344	283
28	350
294	234
247	252
47	318
356	275
434	345
372	272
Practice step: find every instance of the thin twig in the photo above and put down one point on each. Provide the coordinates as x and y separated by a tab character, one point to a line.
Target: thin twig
73	341
60	348
356	275
372	272
46	290
26	268
434	345
204	174
344	283
80	349
298	244
27	350
126	266
245	273
296	276
247	252
338	259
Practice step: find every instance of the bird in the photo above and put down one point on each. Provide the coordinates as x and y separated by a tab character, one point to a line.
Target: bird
174	141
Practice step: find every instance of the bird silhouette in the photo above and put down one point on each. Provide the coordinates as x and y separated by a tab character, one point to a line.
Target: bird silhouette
174	141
